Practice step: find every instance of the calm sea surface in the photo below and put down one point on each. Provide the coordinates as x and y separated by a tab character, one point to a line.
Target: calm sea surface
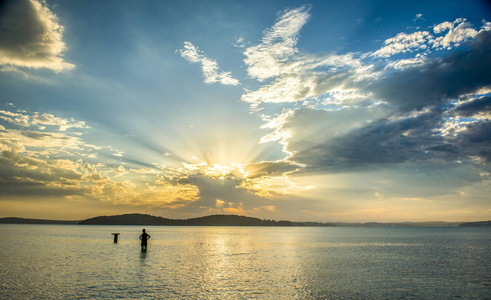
82	262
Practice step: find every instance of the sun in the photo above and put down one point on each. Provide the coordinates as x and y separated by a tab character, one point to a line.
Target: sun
216	170
219	171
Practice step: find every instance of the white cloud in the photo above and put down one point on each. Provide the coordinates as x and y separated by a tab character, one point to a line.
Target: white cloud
210	68
239	42
446	36
277	124
39	119
459	32
285	89
120	171
52	142
418	17
298	76
15	118
31	37
41	142
118	153
63	124
277	46
442	27
404	63
404	42
486	26
310	79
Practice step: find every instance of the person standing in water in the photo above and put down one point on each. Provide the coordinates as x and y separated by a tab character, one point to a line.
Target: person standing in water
144	238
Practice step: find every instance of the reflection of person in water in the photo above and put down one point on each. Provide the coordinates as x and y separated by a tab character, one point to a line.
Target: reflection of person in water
144	238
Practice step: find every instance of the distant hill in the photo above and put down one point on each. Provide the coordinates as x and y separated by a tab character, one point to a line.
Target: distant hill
35	221
130	219
223	220
213	220
475	224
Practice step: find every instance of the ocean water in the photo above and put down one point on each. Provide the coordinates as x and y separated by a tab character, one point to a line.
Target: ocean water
82	262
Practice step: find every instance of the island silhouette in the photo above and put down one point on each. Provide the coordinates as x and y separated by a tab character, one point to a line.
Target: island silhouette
144	219
224	220
213	220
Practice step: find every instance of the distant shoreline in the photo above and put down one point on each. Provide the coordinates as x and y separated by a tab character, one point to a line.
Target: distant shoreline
226	220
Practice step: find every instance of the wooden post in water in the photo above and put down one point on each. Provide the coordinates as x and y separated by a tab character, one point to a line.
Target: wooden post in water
115	237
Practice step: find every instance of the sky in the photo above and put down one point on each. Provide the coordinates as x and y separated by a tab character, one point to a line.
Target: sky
349	111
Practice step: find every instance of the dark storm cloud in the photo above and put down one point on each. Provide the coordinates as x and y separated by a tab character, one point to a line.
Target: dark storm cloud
404	140
434	135
473	107
440	79
379	143
476	140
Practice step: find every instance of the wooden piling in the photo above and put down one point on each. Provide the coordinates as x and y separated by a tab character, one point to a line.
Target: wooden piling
115	237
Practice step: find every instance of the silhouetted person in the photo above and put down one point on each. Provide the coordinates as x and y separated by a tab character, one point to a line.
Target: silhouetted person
144	238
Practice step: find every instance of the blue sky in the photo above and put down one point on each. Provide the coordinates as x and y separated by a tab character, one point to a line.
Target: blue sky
320	110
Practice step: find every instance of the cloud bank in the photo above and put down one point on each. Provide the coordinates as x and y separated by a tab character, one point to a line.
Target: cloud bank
383	110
